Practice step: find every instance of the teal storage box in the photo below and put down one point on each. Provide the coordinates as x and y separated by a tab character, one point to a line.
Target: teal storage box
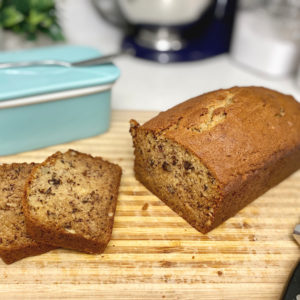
43	106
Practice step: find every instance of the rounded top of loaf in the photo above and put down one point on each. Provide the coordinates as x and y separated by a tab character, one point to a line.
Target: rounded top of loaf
235	131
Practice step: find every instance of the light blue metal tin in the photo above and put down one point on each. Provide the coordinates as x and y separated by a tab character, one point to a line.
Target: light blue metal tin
43	106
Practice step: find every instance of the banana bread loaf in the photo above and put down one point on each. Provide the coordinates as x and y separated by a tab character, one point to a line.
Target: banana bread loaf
70	201
210	156
14	242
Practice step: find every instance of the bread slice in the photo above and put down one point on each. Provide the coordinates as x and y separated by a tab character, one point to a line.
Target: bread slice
70	201
15	244
210	156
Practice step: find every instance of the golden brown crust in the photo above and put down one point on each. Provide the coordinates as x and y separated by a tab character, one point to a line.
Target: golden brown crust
247	137
61	239
17	253
57	236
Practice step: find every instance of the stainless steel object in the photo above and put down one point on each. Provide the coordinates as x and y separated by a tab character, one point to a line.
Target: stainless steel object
164	14
158	19
83	63
296	233
161	39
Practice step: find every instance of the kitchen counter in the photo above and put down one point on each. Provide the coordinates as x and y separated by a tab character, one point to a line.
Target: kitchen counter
146	85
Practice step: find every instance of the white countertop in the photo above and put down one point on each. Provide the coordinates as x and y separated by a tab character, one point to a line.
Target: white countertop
146	85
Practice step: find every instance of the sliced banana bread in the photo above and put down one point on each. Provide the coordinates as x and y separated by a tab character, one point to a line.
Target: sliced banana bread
70	201
14	241
210	156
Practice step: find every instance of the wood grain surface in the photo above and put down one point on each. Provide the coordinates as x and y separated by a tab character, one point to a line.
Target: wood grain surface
154	254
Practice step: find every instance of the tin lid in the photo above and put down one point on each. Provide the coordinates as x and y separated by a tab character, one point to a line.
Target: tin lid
30	81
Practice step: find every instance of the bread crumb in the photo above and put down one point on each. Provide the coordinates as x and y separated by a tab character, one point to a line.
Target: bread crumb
220	273
252	238
246	225
145	206
70	230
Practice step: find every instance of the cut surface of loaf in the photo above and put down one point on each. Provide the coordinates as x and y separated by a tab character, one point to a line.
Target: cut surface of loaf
70	201
15	244
210	156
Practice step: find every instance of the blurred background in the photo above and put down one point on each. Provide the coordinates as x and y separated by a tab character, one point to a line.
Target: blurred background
173	49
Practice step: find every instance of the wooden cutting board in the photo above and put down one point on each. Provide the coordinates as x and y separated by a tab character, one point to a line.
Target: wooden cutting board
154	254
